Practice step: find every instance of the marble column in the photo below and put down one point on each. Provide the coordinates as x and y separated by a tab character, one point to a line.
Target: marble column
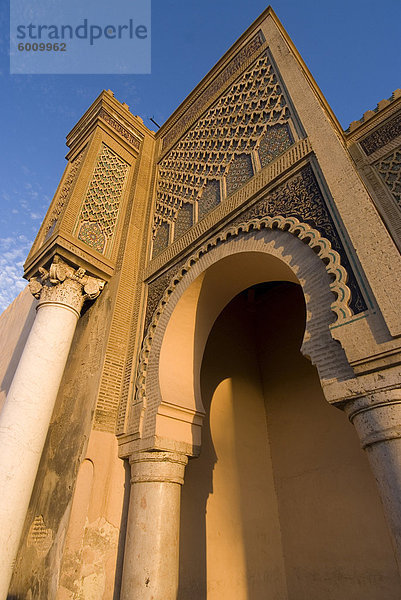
26	414
151	558
377	419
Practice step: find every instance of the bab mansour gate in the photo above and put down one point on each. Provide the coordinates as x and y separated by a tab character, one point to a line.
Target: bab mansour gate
202	384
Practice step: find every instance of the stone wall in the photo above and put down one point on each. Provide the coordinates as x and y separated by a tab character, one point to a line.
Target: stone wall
15	325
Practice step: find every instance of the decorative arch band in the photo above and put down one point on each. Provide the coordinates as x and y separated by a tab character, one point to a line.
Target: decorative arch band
309	236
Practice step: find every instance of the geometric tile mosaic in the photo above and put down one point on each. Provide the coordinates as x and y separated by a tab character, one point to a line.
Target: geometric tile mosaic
240	172
160	241
92	235
101	206
276	140
184	220
209	199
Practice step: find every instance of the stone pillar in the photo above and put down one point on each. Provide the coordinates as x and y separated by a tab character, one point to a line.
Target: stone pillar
377	419
151	558
25	418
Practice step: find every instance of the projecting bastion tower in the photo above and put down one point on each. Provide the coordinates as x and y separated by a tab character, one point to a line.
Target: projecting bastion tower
201	385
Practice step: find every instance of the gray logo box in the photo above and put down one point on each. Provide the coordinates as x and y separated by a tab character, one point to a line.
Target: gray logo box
80	37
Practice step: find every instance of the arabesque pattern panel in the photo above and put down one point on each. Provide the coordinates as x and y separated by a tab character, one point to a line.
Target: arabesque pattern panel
390	171
250	109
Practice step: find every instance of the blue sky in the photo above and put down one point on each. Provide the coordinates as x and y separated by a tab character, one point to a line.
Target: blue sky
351	47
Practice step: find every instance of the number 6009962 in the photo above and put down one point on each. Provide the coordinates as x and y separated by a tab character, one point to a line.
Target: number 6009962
42	47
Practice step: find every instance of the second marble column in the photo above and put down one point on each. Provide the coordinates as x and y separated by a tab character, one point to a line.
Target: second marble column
151	558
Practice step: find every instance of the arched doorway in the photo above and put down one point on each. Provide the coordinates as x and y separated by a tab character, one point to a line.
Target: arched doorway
319	524
281	503
167	409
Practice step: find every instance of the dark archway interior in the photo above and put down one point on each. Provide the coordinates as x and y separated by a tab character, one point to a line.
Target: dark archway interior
281	503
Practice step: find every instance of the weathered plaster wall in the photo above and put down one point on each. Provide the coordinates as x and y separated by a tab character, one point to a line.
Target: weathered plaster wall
95	538
15	325
281	502
38	563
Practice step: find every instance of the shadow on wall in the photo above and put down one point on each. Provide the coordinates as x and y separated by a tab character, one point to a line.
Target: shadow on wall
229	510
15	326
272	508
123	531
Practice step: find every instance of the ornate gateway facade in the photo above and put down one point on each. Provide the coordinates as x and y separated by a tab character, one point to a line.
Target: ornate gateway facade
207	403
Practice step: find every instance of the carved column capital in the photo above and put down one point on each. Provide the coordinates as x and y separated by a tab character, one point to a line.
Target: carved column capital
62	284
164	467
376	415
